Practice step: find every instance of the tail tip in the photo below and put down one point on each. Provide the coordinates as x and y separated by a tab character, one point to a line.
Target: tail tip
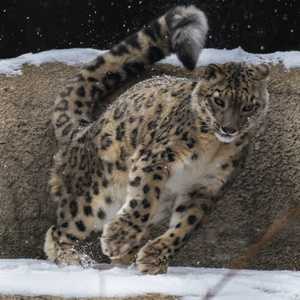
189	28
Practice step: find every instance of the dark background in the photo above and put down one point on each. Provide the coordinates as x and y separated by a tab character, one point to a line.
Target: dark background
258	26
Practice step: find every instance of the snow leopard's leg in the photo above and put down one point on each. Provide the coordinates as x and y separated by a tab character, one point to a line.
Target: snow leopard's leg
190	211
146	179
63	253
74	223
181	30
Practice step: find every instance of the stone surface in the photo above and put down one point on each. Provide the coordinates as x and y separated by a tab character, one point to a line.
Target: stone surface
267	190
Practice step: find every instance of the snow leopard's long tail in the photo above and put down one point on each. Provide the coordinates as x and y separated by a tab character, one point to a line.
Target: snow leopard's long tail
181	30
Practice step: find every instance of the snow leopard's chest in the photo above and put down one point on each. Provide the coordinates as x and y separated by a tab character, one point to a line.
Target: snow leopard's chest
189	176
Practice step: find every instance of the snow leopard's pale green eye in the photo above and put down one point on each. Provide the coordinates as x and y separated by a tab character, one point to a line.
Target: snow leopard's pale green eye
248	108
219	102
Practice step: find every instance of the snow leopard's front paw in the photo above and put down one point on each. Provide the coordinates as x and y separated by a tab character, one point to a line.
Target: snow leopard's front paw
119	237
153	258
128	259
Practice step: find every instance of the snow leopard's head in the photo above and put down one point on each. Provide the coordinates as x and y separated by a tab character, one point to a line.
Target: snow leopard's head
231	98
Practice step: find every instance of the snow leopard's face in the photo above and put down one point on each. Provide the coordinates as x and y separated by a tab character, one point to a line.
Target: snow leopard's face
232	98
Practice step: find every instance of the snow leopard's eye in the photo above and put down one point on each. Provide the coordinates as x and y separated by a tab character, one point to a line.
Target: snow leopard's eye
219	102
248	108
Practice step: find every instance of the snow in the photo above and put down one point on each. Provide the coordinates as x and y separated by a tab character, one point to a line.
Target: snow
290	59
71	57
12	66
39	277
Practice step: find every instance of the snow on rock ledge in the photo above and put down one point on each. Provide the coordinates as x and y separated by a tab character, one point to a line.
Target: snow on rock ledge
12	66
38	277
70	57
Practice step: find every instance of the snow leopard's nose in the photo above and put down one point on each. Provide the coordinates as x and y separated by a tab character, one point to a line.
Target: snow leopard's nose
229	130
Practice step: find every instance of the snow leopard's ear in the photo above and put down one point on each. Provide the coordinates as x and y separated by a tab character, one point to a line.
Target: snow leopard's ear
261	72
214	71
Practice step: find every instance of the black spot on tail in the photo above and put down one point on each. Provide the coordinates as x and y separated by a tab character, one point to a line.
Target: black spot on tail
96	93
96	65
119	50
133	68
133	41
111	79
155	54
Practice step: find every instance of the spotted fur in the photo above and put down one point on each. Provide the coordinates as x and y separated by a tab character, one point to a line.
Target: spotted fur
166	143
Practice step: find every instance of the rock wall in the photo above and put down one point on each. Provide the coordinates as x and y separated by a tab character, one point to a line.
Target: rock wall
267	190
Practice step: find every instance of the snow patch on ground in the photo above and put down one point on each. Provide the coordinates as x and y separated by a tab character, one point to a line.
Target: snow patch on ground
71	57
289	59
12	66
38	277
